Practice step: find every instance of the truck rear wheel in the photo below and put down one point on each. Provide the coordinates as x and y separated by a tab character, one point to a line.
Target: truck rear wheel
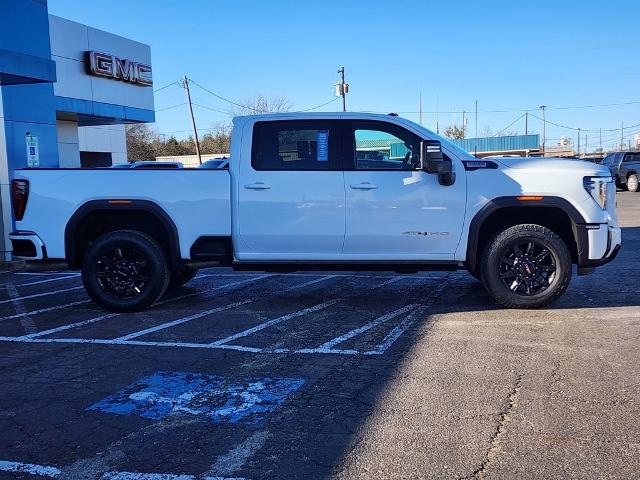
526	266
632	183
125	271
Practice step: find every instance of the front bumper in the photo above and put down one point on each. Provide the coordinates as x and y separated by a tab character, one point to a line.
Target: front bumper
27	246
597	246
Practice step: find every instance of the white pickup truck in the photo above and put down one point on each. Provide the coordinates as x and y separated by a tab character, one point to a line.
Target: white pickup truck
326	191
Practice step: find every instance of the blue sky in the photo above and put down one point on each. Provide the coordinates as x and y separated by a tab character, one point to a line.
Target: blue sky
506	55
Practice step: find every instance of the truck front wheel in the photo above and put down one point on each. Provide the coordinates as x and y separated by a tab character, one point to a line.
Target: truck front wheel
526	266
125	271
632	183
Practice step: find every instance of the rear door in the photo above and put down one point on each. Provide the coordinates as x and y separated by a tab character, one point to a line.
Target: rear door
291	194
395	211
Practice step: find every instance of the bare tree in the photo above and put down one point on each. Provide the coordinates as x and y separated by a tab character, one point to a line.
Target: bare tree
261	104
140	142
218	139
454	131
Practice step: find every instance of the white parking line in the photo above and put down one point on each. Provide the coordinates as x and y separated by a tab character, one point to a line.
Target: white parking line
72	325
67	277
182	320
163	302
403	326
204	313
233	460
45	310
36	295
44	274
327	347
275	321
30	468
54	472
25	320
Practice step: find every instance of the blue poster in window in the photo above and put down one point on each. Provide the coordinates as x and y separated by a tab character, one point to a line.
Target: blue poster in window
323	145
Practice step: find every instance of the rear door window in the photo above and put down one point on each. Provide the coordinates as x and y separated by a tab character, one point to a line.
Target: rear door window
296	145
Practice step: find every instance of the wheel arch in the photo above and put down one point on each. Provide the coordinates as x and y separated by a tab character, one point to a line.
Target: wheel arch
97	217
554	213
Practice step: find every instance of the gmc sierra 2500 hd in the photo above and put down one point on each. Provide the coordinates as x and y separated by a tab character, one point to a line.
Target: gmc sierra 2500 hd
323	192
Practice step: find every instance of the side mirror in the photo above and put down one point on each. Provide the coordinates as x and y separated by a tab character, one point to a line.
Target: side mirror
433	161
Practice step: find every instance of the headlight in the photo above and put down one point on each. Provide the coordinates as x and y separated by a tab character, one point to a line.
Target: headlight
598	187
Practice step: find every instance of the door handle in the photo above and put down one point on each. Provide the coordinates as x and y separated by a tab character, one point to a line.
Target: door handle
364	186
257	186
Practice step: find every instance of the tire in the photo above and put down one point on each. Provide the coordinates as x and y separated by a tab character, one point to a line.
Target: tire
125	271
530	278
182	276
632	183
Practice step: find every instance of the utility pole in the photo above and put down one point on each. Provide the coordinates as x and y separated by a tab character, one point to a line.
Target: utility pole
342	89
464	124
185	85
622	137
579	142
526	123
586	144
437	116
476	122
600	139
544	128
420	108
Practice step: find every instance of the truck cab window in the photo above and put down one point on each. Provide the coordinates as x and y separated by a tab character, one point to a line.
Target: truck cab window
293	146
382	147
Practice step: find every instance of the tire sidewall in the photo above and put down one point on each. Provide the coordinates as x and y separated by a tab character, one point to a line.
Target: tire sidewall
500	245
146	247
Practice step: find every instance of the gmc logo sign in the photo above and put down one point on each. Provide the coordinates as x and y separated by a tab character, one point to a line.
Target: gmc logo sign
110	66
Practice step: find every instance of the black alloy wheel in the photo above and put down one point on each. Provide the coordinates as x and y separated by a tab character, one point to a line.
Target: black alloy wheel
125	271
527	268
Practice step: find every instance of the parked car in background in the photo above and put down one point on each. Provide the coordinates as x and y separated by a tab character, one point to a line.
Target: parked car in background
625	169
149	165
216	164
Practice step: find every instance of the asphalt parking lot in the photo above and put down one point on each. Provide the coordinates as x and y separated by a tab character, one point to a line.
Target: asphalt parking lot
323	375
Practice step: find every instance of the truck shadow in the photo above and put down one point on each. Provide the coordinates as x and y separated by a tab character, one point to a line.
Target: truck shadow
347	423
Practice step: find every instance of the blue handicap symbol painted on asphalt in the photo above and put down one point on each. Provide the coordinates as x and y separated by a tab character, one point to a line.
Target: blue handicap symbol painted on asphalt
222	401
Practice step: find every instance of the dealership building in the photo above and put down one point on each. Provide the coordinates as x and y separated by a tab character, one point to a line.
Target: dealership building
66	92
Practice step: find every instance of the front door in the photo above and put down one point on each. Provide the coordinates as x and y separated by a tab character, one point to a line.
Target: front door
291	195
395	211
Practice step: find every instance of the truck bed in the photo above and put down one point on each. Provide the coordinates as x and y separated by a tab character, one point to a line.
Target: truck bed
197	200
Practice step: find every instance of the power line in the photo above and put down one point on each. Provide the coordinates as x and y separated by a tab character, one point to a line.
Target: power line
319	106
166	86
511	124
212	109
220	96
169	108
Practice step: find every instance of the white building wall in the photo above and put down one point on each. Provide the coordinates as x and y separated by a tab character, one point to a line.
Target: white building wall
68	148
104	138
70	41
